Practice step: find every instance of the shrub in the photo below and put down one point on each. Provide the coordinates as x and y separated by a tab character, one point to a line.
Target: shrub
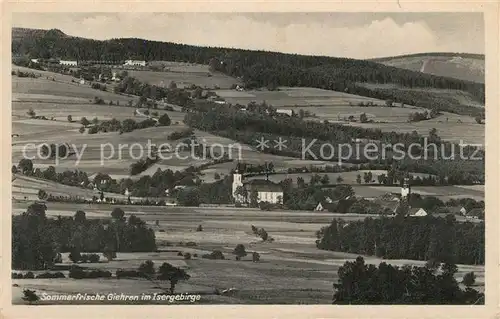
216	254
199	228
147	267
179	253
187	256
120	273
191	244
239	251
255	257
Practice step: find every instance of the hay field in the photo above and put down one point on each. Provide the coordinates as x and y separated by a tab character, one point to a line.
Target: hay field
348	177
184	77
292	270
442	192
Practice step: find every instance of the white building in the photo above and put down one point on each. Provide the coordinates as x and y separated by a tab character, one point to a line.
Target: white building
68	63
135	63
405	189
266	190
418	212
34	60
285	112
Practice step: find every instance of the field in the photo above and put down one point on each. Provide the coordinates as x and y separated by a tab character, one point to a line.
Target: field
338	106
469	68
291	269
442	192
184	75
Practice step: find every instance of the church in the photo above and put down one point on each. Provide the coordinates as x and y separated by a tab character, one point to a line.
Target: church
266	190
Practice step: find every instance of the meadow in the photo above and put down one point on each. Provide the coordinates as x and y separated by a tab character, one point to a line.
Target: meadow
184	76
291	269
338	106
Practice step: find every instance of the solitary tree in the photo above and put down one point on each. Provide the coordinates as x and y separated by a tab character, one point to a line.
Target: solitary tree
84	121
469	279
31	113
70	118
42	195
363	118
172	274
255	257
81	130
147	267
358	179
239	251
339	179
164	120
30	296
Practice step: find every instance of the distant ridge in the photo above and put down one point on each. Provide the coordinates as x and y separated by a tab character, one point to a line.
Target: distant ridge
439	54
461	66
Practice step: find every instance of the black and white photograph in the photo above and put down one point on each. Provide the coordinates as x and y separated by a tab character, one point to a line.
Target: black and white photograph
236	158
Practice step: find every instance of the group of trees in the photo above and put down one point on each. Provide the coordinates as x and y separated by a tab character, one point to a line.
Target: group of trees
422	116
171	94
364	284
38	240
423	238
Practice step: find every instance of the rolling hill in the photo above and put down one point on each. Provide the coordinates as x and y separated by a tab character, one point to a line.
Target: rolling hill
259	69
462	66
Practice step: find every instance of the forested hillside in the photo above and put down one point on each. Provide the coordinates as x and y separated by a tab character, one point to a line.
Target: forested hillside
256	68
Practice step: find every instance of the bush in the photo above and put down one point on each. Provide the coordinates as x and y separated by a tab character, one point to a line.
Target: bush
180	253
216	254
187	256
255	257
199	228
147	267
191	244
51	275
129	274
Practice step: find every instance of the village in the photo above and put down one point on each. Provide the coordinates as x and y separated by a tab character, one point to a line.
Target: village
234	210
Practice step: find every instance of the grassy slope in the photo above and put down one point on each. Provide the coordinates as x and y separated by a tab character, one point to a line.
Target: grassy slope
469	67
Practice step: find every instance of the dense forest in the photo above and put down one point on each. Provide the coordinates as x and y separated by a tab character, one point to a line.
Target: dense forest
259	68
422	238
363	284
37	240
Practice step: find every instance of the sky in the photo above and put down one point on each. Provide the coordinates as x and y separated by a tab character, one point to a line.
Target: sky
353	35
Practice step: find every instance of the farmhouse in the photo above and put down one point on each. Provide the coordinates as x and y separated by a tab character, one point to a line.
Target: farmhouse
285	112
135	63
417	212
68	63
476	213
266	190
456	210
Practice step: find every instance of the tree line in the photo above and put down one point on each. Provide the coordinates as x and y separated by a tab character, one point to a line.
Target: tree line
37	240
360	283
424	238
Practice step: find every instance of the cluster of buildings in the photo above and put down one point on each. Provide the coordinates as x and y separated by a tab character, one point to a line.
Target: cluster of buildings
266	190
74	63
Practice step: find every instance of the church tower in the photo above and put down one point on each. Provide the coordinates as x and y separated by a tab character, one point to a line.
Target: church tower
405	188
237	182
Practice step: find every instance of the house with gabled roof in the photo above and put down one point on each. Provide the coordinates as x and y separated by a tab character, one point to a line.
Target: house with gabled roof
475	213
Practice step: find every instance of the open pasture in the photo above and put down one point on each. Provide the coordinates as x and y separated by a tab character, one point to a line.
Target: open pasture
442	192
184	77
451	130
290	266
347	177
295	96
